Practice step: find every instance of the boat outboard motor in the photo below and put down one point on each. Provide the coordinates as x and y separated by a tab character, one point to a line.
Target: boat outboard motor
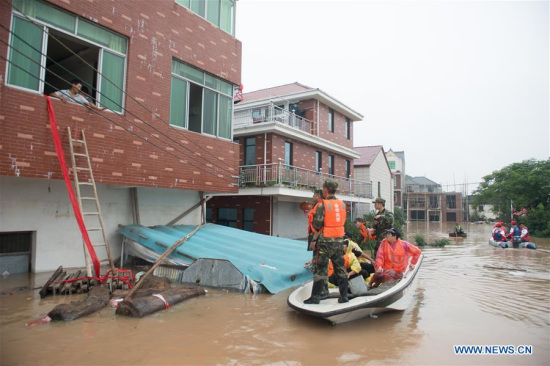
516	241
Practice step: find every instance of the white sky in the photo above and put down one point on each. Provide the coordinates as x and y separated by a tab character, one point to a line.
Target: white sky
462	87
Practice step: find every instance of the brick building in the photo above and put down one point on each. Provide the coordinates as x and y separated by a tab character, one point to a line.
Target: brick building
166	71
291	138
425	201
396	160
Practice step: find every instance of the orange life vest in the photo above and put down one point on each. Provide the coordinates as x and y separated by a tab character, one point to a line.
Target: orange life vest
366	233
331	268
335	217
310	228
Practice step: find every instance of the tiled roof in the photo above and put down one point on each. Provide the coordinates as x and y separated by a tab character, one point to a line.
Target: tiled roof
276	91
368	154
423	181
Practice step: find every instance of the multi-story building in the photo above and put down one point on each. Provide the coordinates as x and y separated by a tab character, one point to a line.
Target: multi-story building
396	161
372	166
425	201
166	71
291	137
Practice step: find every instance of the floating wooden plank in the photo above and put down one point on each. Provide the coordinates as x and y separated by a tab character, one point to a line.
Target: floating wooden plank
138	307
98	298
45	289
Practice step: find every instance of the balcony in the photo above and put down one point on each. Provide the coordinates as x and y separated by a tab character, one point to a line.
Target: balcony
281	175
271	113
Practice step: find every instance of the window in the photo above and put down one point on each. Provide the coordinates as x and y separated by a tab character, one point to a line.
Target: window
318	161
218	12
250	151
348	168
227	217
200	102
434	202
331	165
208	214
392	164
348	128
288	153
330	120
418	215
67	40
378	190
248	219
480	208
394	182
451	202
451	216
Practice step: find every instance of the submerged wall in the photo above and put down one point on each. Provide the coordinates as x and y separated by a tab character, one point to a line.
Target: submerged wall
43	207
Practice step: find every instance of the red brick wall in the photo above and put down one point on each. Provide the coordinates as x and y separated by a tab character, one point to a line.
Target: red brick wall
339	134
303	155
261	206
157	31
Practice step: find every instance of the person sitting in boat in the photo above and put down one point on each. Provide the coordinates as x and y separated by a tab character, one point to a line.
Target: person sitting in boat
458	229
525	237
366	262
514	231
392	258
351	265
499	235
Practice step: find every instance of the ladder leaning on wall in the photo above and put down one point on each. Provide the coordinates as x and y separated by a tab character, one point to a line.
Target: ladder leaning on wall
86	193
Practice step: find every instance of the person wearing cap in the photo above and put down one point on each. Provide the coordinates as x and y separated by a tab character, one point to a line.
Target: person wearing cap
514	231
317	198
393	256
499	235
383	220
328	225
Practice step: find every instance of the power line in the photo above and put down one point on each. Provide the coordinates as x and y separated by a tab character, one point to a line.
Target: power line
224	169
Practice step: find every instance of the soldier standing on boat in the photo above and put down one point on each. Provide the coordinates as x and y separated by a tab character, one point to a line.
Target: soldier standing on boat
328	226
383	220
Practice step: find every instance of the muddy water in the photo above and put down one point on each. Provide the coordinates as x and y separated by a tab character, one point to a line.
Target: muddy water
459	301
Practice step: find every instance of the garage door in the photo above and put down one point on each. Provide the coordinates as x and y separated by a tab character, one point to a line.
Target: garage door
15	252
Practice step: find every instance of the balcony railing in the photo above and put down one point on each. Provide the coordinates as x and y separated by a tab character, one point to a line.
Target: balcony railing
281	175
271	113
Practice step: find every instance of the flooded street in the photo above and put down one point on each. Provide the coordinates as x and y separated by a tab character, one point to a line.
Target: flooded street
459	301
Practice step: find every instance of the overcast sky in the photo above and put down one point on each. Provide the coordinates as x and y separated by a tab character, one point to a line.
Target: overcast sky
462	87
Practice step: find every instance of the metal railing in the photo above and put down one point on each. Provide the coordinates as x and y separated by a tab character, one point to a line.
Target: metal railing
282	175
271	113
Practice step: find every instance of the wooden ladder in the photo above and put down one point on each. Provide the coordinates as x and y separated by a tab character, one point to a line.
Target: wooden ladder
81	165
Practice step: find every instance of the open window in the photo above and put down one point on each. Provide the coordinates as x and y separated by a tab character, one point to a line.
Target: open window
56	47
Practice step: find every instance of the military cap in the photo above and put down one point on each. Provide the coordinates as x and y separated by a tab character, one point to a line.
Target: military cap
330	184
380	200
318	191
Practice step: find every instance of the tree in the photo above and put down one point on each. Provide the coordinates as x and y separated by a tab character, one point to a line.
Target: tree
518	186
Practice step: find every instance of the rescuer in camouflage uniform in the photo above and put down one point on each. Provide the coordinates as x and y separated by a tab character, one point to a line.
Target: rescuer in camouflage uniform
383	220
328	223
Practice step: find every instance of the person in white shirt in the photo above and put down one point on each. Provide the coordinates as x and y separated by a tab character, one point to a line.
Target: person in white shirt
73	95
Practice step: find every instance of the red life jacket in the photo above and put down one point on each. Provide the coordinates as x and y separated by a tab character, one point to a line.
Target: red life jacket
335	218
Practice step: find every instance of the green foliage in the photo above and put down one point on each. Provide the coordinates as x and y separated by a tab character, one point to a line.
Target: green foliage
419	240
538	221
399	218
524	185
441	242
476	216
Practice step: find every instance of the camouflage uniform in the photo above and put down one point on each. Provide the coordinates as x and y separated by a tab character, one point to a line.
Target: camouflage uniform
385	221
327	248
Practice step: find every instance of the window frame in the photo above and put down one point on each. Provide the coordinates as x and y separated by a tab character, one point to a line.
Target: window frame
203	85
331	165
347	133
288	161
318	161
44	54
331	120
205	4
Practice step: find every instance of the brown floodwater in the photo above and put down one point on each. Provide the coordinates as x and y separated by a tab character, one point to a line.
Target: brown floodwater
459	301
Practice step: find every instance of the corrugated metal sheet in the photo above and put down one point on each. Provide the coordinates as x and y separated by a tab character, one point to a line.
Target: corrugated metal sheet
276	263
